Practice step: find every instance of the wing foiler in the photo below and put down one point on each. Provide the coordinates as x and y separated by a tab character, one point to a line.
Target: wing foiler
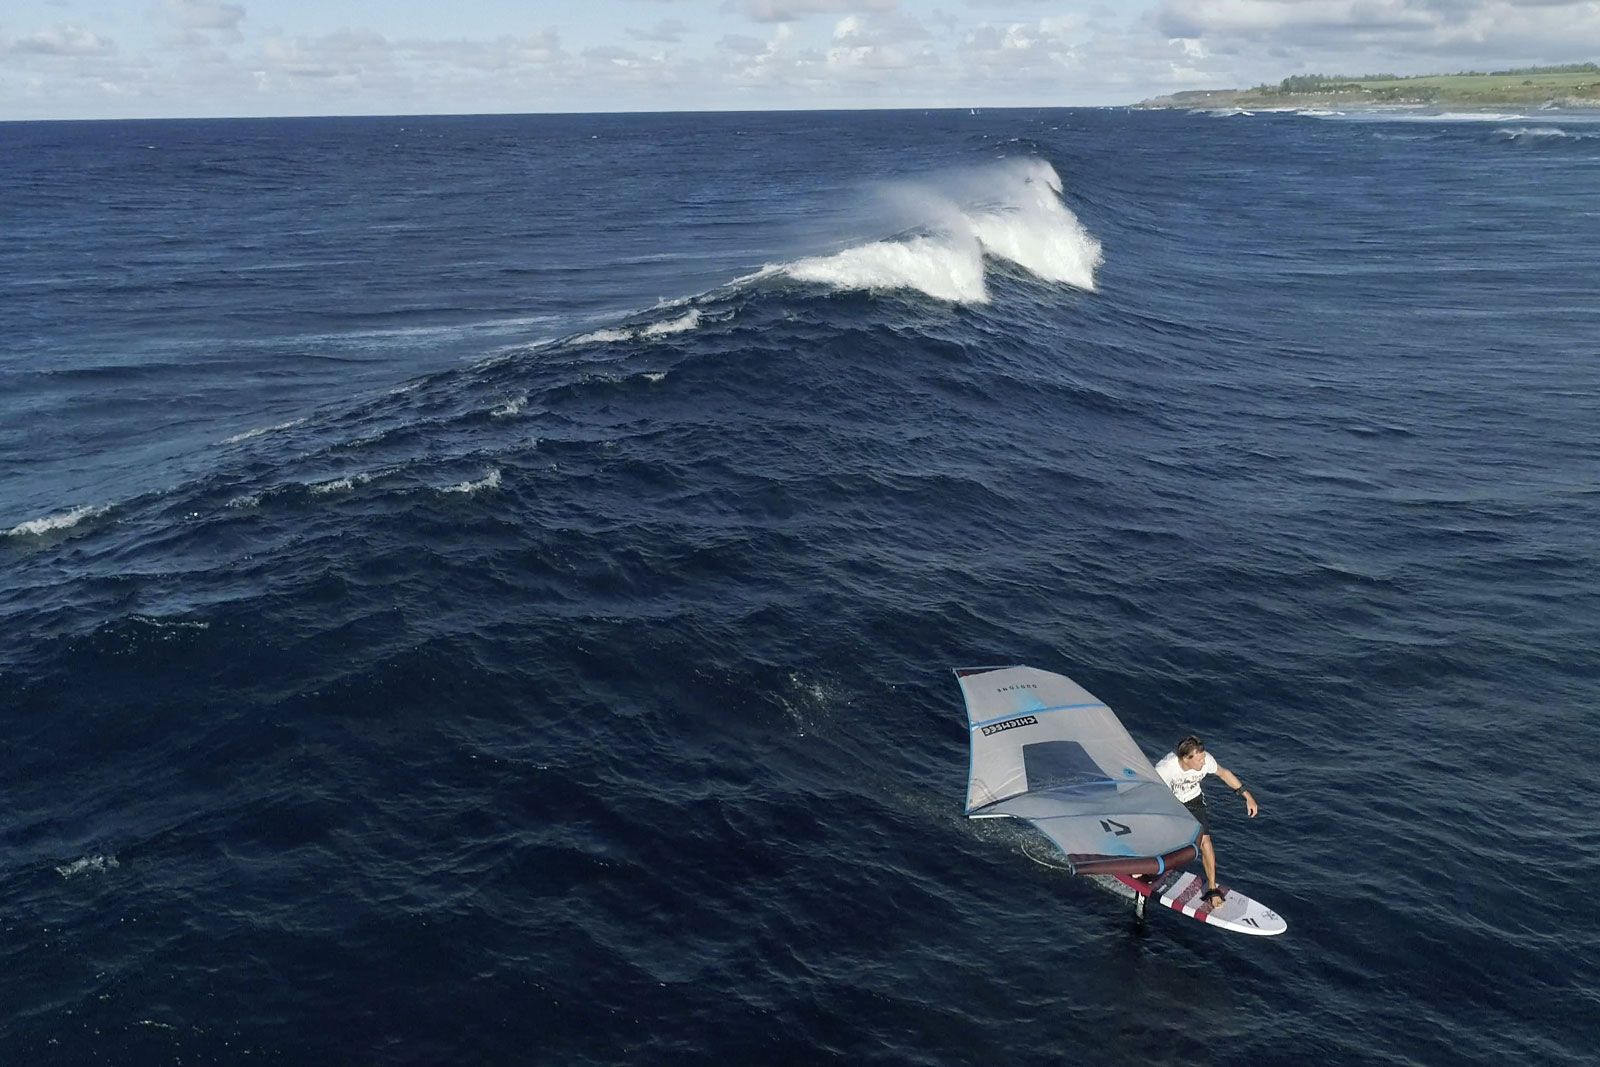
1045	750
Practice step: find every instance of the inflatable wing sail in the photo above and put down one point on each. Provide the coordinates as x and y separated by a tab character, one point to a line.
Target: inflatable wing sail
1045	750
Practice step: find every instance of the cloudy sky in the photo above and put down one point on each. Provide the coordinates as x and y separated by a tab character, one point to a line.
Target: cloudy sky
129	58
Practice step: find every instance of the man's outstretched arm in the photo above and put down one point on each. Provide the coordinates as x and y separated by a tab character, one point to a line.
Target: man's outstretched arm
1231	780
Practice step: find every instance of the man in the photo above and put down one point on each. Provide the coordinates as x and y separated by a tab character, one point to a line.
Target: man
1182	770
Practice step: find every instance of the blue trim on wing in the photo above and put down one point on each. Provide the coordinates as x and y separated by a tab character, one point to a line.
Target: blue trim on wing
1032	711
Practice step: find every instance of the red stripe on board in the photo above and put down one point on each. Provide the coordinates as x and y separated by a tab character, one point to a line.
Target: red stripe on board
1188	893
1167	881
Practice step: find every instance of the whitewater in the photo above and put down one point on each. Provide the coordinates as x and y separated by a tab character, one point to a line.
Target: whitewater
1009	211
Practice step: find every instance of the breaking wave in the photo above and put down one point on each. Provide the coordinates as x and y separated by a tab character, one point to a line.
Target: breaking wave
943	268
1457	116
682	324
53	523
491	480
1540	135
1009	211
339	485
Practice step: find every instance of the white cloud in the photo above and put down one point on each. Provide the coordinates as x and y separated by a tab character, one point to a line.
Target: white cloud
60	41
740	45
793	10
348	55
878	31
1018	46
866	45
667	31
1325	31
207	14
542	49
775	63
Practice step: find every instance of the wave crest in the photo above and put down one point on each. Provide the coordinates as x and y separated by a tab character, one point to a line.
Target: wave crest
262	431
98	863
936	267
51	523
490	480
1009	211
682	324
1539	134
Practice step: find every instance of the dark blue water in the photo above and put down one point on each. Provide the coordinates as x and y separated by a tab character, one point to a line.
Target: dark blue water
482	590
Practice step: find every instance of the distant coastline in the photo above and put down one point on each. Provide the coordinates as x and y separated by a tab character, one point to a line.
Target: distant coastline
1574	85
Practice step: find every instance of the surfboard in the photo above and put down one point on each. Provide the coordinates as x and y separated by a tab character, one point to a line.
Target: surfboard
1182	892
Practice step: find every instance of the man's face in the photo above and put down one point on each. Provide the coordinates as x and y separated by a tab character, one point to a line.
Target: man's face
1193	761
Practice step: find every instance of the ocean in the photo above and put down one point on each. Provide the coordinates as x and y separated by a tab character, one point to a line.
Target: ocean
485	589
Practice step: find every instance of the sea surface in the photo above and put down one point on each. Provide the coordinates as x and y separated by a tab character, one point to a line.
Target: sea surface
485	589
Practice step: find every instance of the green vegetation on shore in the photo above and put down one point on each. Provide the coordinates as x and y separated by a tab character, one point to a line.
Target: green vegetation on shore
1572	85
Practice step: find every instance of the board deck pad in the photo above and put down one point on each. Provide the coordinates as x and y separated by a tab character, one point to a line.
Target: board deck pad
1182	891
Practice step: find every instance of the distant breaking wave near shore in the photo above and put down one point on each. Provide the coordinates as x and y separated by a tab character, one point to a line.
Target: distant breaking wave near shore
1009	211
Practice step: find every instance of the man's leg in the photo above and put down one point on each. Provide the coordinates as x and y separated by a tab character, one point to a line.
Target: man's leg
1208	860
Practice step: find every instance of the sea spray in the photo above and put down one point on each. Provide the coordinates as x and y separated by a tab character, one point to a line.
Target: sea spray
943	268
1010	210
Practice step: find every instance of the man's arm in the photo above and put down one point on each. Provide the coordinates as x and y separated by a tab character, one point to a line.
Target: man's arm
1231	780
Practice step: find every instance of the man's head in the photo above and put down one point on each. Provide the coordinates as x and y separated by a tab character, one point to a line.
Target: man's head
1191	753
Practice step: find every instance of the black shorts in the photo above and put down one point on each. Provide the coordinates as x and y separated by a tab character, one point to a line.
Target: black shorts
1197	808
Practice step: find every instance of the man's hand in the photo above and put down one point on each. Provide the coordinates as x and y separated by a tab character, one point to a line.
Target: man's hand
1250	804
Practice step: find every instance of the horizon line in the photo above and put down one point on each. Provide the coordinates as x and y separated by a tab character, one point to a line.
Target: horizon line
556	114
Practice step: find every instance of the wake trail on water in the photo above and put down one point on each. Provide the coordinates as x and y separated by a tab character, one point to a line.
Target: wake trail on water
1010	210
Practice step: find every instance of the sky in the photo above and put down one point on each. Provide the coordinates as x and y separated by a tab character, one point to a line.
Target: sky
77	59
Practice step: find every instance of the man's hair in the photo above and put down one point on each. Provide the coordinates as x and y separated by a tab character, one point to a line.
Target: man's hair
1189	746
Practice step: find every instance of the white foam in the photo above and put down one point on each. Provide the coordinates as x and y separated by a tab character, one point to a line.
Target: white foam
170	624
655	375
602	337
1010	210
88	863
51	523
339	485
491	480
943	269
510	407
681	324
1043	238
261	431
1458	116
1533	133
